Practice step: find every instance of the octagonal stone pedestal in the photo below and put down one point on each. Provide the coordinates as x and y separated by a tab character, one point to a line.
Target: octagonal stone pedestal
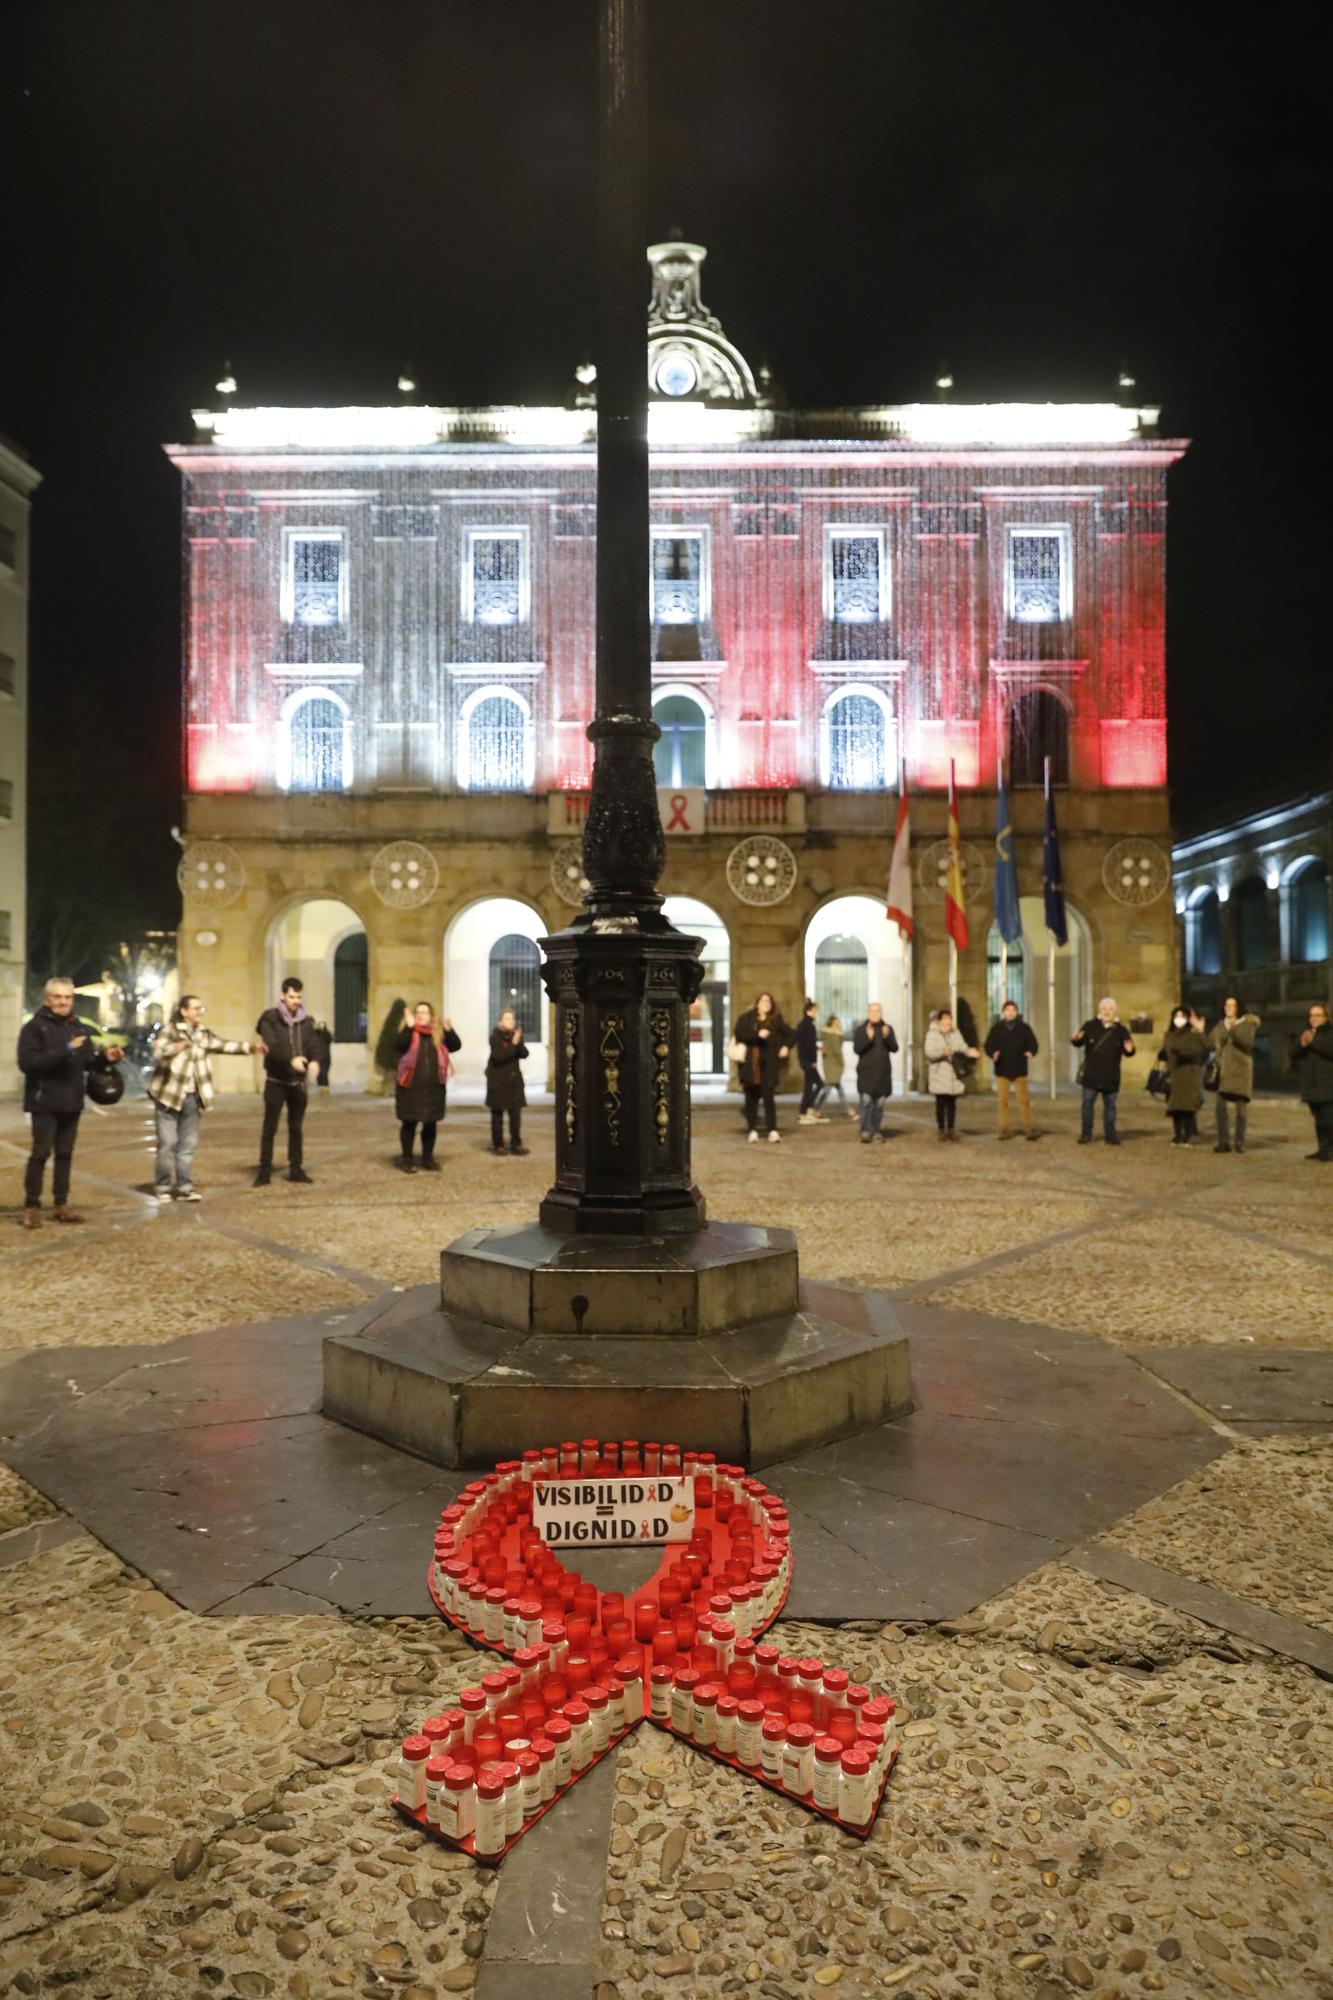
538	1336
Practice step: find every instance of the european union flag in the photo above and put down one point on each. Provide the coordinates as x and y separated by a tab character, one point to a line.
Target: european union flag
1052	880
1008	916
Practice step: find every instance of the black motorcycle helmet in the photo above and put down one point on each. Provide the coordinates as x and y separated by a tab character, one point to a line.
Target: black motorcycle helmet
106	1086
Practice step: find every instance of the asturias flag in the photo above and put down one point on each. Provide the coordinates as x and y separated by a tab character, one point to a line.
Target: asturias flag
899	909
955	916
1052	881
1008	916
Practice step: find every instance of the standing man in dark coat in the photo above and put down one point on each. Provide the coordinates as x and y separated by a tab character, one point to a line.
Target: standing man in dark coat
1010	1045
1107	1041
55	1054
1312	1057
875	1044
289	1063
505	1094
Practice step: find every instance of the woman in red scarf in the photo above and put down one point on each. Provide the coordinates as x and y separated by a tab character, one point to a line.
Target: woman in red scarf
424	1048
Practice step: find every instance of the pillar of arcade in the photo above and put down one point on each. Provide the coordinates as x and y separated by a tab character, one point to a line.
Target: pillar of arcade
621	1310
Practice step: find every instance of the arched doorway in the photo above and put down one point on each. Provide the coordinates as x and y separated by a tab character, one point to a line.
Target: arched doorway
1027	981
710	1016
491	962
853	955
323	942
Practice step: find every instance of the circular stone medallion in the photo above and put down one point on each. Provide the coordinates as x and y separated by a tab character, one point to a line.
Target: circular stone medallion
404	875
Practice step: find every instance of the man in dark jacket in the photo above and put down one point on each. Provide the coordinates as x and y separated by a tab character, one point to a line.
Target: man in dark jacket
875	1044
1010	1045
289	1063
807	1054
55	1053
1107	1041
1312	1058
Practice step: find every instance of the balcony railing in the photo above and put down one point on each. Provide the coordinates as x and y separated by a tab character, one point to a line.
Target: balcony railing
725	812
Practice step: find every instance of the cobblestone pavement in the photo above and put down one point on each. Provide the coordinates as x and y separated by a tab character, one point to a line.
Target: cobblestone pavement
1099	1792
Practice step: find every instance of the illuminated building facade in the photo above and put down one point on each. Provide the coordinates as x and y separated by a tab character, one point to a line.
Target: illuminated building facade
389	669
1254	899
18	482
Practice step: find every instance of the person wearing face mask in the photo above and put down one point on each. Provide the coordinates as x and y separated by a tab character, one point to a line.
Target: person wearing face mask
425	1045
1232	1043
1105	1042
1184	1051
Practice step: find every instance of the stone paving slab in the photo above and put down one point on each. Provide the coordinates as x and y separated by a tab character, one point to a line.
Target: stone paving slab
1250	1385
1287	1636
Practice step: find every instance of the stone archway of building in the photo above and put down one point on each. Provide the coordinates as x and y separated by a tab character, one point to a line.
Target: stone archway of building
323	942
710	1016
473	966
854	955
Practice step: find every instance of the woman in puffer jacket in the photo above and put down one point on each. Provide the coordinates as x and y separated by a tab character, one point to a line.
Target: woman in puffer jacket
943	1042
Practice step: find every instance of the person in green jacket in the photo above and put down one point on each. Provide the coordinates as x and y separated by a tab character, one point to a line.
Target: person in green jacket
1184	1052
832	1061
1232	1043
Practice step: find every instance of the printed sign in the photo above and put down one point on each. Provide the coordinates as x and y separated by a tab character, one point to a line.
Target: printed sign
580	1513
684	811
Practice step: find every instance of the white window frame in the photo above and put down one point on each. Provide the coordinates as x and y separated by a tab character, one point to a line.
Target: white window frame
858	531
462	747
884	703
1026	531
290	537
498	532
295	700
663	691
681	533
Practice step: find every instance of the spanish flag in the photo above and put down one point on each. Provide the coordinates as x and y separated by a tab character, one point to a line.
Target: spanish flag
955	915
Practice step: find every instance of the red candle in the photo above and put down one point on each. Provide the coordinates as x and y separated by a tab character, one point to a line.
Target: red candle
664	1646
578	1630
645	1621
578	1672
619	1632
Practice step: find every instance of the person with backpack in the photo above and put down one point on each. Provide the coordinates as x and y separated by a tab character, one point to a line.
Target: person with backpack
181	1088
425	1045
1105	1041
56	1053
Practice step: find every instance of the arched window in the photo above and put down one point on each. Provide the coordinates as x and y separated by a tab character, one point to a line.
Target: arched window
1203	933
1038	729
495	749
515	966
351	977
315	747
842	979
1013	985
1307	914
858	748
680	757
1249	900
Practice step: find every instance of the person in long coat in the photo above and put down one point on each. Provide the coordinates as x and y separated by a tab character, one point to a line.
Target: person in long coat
1312	1058
767	1040
1232	1043
505	1095
876	1045
943	1042
1184	1050
834	1061
425	1045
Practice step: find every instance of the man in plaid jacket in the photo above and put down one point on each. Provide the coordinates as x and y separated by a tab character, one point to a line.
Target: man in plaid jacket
181	1088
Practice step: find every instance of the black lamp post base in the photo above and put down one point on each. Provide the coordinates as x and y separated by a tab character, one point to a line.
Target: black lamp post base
679	1210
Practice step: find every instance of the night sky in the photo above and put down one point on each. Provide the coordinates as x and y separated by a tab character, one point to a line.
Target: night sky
324	193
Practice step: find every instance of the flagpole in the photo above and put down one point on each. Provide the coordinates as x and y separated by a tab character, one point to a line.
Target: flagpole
1004	942
1050	962
905	947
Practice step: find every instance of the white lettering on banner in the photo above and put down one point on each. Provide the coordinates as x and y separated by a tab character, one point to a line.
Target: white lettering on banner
683	811
575	1512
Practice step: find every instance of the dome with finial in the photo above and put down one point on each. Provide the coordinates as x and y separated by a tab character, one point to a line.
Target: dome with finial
690	359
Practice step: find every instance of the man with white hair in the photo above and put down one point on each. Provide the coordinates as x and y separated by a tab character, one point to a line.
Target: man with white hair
1106	1041
55	1053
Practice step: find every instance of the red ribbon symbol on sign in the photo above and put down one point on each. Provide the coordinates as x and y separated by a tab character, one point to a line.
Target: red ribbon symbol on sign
679	806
